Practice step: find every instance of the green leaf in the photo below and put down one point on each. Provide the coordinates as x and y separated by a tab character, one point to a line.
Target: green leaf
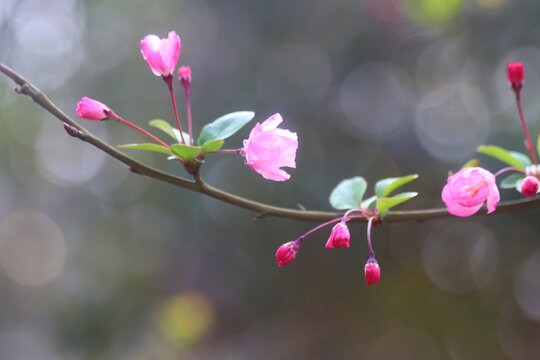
384	204
147	147
186	152
511	180
384	187
348	194
369	203
212	145
522	158
538	145
169	130
225	126
518	185
501	154
471	163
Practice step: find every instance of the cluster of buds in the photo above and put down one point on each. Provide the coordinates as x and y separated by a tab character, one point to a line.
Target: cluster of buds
339	238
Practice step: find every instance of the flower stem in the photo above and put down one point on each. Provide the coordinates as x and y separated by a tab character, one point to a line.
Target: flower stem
188	107
169	81
507	169
528	142
371	252
317	228
156	139
350	211
224	151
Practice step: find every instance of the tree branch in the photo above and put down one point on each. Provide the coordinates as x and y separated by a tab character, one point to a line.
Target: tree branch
26	88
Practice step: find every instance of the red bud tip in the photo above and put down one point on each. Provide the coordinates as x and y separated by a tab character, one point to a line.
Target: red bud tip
372	271
339	237
286	253
184	75
515	73
91	109
529	187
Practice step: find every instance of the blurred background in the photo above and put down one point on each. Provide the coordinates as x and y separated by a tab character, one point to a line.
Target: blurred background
98	263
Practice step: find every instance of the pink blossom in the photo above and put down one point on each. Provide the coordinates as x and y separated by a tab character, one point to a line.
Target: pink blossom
91	109
184	75
372	271
466	191
529	187
161	54
339	237
287	252
269	148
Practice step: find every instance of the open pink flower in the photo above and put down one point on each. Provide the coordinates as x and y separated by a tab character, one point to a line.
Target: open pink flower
161	54
339	237
269	148
466	191
91	109
287	252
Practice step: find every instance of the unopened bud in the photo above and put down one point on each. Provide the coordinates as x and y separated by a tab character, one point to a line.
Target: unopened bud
515	73
91	109
372	271
184	75
287	252
529	187
339	237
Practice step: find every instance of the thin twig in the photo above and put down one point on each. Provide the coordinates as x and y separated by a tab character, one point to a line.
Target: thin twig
40	98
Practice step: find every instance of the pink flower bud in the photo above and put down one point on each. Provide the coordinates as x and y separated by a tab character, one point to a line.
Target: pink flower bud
515	73
466	191
339	237
287	252
268	149
372	271
529	187
184	75
161	54
93	110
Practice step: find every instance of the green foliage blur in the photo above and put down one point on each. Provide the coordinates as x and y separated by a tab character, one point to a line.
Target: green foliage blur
99	263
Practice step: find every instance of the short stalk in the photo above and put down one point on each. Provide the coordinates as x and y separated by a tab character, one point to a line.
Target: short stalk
224	151
141	130
169	81
528	141
188	107
369	224
333	221
508	169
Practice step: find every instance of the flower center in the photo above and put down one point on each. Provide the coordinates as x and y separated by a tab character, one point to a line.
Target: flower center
473	190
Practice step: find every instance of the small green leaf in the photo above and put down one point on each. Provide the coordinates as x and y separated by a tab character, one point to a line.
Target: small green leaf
384	204
169	130
369	203
384	187
501	154
348	194
538	145
522	158
163	126
212	145
511	180
225	126
186	152
471	163
147	147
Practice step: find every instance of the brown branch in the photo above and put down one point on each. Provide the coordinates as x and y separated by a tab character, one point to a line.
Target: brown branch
76	130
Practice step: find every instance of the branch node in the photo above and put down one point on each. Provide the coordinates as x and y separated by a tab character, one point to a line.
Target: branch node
301	207
73	131
133	170
259	217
